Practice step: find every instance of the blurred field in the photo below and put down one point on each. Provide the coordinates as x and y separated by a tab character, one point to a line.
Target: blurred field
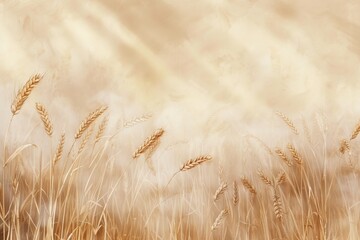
213	75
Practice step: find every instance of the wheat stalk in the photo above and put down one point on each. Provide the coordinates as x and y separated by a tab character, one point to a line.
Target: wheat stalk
264	178
247	184
220	191
235	193
295	154
219	219
85	124
149	154
24	93
44	118
149	142
101	129
288	122
344	146
59	150
282	155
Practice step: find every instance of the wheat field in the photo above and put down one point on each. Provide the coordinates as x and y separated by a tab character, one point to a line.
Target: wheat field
179	120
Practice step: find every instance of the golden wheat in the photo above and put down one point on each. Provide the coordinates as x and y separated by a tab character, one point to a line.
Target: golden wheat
288	122
247	184
219	219
24	93
59	150
295	155
101	129
194	162
85	139
44	118
283	156
277	206
344	146
220	191
148	142
281	178
355	132
235	193
264	178
137	120
85	124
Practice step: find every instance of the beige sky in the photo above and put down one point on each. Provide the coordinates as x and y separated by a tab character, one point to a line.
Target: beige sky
193	63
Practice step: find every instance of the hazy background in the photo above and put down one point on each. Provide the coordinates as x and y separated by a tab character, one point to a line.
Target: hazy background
202	68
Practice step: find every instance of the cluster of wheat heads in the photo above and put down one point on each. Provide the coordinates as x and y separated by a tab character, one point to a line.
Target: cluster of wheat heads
78	190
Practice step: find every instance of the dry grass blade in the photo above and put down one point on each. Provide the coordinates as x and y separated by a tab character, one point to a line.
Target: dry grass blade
235	193
219	219
24	93
89	120
194	162
149	142
101	129
44	118
295	155
355	132
59	150
288	122
277	206
264	178
344	146
220	191
282	155
281	178
247	184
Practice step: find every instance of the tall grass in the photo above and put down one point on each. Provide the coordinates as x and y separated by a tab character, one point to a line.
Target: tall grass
310	192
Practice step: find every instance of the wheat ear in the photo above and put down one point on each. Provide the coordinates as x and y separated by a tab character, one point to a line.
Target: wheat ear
277	207
235	193
101	129
24	93
247	184
219	219
149	142
295	154
220	191
344	146
355	132
85	139
288	122
44	116
281	178
59	150
85	124
283	156
264	178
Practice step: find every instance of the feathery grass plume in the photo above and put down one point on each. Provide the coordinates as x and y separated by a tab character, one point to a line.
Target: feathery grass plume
281	178
101	129
278	210
24	93
219	219
295	154
85	139
59	150
264	178
288	122
248	185
235	193
220	191
344	146
194	162
149	142
137	120
44	118
89	120
283	156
